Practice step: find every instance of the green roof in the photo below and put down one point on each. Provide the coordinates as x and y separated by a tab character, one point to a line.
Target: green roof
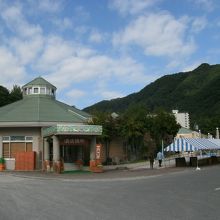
73	129
39	81
41	108
184	131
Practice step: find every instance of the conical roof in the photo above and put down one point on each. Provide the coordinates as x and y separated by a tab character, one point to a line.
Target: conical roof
41	109
39	81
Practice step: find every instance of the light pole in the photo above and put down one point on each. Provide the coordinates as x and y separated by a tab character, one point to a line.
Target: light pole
217	133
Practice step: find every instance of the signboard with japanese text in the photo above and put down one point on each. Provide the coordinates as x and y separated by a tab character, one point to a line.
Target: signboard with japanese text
98	152
73	141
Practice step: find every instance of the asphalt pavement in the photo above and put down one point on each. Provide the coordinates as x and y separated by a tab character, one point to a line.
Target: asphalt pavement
165	193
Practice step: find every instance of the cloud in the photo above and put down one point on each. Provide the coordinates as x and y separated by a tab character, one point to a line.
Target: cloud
75	94
206	5
111	94
26	40
78	69
192	66
132	7
66	63
10	68
54	51
130	71
21	44
198	24
69	63
63	24
49	5
28	50
104	90
158	34
96	37
16	22
81	14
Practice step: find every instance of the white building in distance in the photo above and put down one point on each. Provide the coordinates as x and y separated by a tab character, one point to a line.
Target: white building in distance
182	118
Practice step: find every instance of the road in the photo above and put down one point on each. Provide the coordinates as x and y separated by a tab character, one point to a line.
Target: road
189	194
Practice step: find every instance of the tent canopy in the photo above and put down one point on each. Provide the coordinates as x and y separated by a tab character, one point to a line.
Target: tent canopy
193	144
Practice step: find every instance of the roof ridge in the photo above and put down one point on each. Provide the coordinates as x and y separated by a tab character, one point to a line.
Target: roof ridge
39	81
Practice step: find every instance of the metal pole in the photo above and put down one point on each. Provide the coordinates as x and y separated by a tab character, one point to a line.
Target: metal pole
163	159
217	133
197	167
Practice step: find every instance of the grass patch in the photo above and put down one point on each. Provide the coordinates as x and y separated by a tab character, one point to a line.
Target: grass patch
76	171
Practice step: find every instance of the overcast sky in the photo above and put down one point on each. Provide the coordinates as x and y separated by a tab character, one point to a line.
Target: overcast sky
93	50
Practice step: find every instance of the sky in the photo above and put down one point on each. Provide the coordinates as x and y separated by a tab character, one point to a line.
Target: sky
94	50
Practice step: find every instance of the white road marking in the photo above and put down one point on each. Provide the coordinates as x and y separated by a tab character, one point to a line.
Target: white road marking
216	189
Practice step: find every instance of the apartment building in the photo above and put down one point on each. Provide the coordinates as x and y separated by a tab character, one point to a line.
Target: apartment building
182	118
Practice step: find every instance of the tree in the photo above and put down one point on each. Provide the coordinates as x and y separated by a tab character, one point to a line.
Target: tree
7	97
15	94
110	128
209	125
150	147
141	131
133	128
4	96
163	126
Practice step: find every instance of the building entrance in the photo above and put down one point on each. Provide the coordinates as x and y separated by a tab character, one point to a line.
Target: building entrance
74	149
70	154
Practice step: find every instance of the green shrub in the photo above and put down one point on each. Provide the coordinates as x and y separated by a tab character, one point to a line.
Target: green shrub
2	160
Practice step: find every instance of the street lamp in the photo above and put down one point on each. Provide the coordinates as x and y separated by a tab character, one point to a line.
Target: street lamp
217	133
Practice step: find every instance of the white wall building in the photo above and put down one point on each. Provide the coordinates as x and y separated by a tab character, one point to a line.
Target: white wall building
182	118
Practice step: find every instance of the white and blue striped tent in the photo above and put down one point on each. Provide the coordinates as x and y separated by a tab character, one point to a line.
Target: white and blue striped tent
193	144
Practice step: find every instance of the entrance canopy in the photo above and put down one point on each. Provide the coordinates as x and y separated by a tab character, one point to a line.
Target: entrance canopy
72	129
193	144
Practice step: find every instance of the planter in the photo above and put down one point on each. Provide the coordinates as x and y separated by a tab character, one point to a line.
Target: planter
193	161
2	164
2	167
96	166
180	162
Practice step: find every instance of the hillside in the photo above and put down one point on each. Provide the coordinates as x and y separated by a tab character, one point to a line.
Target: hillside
196	92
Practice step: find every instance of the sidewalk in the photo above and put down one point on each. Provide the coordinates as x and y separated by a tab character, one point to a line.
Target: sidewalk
142	165
116	172
107	175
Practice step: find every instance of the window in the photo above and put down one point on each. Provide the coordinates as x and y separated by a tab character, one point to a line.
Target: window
48	91
36	90
42	90
17	138
6	150
29	139
29	90
14	144
25	91
5	138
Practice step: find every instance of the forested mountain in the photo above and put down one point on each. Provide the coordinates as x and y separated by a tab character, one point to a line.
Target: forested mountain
196	92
